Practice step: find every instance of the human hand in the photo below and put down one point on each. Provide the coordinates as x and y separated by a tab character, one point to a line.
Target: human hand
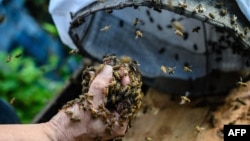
110	99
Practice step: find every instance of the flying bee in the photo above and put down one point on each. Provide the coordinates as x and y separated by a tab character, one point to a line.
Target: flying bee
241	83
138	34
185	99
8	58
164	69
170	70
199	129
196	29
136	21
105	28
211	15
187	69
12	100
74	51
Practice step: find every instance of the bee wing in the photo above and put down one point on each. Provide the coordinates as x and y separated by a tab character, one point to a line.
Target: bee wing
187	93
182	102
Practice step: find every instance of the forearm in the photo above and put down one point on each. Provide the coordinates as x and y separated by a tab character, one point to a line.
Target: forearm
27	132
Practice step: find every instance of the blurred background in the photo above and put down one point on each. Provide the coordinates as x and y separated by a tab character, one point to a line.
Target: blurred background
34	64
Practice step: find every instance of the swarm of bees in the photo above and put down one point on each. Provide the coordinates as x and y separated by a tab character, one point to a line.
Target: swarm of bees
126	100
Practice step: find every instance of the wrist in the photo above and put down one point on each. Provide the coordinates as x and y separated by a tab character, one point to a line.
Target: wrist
64	129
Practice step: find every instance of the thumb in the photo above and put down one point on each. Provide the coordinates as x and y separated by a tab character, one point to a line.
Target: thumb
101	81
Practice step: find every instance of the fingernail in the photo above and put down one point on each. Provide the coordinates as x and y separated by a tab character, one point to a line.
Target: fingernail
107	70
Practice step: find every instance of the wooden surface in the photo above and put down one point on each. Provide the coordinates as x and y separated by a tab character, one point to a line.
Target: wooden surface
162	118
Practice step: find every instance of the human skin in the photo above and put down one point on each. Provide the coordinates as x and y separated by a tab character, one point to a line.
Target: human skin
61	128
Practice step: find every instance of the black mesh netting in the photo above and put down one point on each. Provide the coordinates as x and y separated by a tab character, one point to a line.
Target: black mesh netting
214	54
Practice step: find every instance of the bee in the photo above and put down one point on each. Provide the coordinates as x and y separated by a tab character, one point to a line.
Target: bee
219	4
138	34
117	75
93	111
223	12
105	28
178	32
170	70
125	59
241	101
185	99
187	69
89	96
182	4
178	26
196	29
12	100
102	1
138	97
164	69
241	83
89	101
75	119
246	30
170	4
74	51
136	21
148	139
199	9
106	91
99	68
68	112
113	99
211	15
233	19
8	58
199	129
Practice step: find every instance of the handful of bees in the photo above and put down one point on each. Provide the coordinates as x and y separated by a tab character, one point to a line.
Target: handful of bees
126	100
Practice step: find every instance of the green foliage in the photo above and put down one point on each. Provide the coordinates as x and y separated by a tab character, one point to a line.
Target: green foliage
21	79
50	28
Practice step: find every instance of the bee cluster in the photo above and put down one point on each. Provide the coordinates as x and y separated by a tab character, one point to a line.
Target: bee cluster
126	100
